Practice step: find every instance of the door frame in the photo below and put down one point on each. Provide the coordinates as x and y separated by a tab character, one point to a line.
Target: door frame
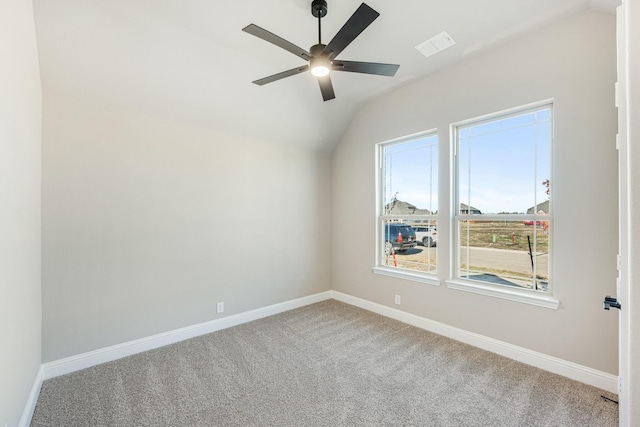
623	216
628	101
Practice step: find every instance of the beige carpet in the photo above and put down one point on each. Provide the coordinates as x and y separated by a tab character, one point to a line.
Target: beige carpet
327	364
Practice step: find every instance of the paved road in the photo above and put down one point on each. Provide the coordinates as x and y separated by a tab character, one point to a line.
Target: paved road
422	258
504	259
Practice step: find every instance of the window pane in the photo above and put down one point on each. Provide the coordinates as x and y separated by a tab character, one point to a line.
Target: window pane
410	247
509	253
411	177
502	164
409	190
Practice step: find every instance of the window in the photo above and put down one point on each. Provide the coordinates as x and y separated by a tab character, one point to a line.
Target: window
408	204
502	200
497	240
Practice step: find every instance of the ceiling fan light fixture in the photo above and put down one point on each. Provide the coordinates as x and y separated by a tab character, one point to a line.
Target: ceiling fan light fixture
320	67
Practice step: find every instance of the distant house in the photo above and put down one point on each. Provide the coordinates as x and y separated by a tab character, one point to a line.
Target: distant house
398	207
540	208
469	210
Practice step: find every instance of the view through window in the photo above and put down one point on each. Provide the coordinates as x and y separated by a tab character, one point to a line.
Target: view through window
502	190
501	201
409	184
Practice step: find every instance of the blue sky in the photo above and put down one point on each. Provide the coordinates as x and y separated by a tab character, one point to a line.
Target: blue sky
502	165
412	172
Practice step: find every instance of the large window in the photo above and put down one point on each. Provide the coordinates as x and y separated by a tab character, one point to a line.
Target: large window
502	200
408	204
497	239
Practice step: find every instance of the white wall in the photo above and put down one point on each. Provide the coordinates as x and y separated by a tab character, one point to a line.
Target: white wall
573	62
148	223
20	120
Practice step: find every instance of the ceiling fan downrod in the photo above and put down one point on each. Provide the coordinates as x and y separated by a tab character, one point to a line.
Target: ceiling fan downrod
319	10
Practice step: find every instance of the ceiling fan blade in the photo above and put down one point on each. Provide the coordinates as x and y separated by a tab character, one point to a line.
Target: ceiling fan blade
276	40
366	67
326	87
281	75
361	19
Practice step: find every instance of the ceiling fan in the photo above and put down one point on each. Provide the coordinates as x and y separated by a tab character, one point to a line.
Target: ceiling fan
322	58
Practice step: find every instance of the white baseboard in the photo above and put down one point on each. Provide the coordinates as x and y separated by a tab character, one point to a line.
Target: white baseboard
558	366
118	351
30	406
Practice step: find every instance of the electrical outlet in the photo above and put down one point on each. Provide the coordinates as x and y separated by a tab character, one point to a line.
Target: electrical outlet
220	307
397	299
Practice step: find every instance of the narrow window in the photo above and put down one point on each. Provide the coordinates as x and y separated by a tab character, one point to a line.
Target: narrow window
502	201
408	197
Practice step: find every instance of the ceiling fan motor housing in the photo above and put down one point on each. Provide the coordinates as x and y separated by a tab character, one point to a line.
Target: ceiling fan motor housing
319	8
316	49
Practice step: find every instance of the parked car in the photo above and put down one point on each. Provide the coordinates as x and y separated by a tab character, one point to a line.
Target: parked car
427	235
399	237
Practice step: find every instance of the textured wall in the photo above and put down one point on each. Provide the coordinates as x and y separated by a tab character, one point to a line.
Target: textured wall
573	62
20	120
148	223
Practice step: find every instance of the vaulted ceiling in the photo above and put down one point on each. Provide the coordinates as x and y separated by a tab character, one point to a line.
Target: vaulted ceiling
189	61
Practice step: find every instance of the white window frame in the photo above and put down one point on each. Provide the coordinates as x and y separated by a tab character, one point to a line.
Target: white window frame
379	267
520	295
446	169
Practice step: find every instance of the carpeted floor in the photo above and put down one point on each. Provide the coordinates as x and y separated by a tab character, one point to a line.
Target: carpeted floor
327	364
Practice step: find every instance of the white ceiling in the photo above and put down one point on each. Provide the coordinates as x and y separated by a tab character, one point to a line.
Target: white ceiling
189	61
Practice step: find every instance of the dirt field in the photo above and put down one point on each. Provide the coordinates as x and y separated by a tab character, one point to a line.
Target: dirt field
504	235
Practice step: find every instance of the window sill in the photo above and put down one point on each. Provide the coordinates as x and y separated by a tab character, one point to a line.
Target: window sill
508	294
407	275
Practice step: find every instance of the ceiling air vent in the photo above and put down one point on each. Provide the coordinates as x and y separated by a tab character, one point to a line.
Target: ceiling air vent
435	44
